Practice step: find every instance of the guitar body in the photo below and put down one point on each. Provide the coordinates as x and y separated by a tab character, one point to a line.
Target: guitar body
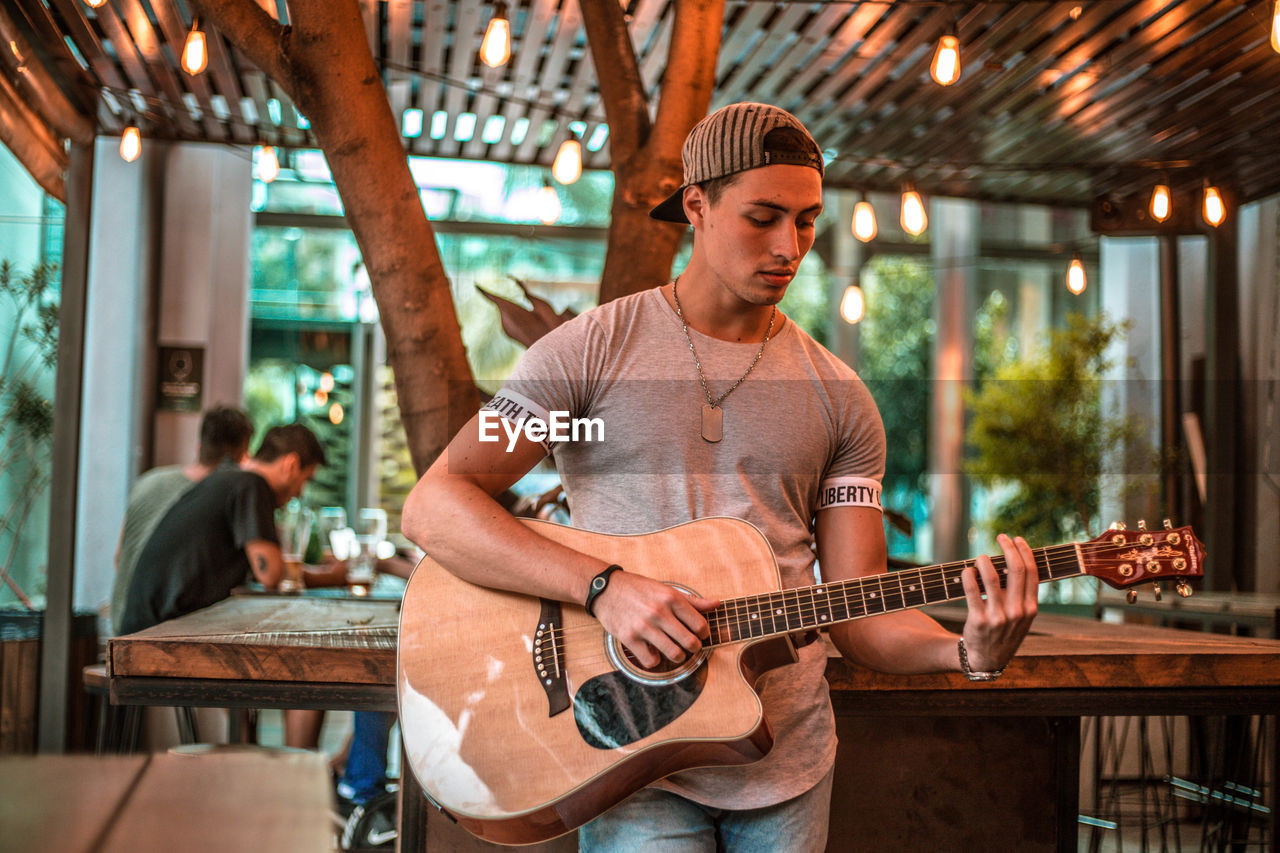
519	750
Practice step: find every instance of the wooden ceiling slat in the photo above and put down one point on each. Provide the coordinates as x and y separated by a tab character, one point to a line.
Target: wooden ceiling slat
226	82
874	52
738	85
653	61
255	87
1138	111
922	102
568	26
462	58
906	37
851	31
89	44
399	46
430	97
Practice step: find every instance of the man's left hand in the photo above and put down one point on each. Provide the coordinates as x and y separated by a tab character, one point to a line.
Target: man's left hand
995	626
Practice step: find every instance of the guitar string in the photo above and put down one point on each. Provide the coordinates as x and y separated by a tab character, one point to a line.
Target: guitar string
739	626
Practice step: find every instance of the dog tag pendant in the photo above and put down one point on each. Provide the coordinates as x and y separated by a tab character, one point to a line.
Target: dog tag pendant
712	422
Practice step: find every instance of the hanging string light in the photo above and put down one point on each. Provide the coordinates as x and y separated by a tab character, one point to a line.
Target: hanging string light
1215	210
913	218
567	167
95	4
548	204
130	144
195	55
495	50
852	304
1275	27
864	220
268	168
1076	281
945	68
1161	202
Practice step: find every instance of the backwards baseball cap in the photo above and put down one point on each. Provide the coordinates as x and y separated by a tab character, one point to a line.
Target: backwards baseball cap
737	138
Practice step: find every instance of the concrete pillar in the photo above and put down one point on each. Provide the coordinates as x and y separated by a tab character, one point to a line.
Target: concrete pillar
954	241
204	281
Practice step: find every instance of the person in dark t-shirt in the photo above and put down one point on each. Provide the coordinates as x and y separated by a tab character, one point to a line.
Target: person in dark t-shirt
222	530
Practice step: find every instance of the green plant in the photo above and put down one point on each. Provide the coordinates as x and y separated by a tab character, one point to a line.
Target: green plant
1039	436
30	307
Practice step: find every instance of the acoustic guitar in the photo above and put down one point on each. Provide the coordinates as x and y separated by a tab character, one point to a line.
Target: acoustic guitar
522	719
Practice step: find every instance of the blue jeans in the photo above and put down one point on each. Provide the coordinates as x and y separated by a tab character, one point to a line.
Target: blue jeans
365	775
656	821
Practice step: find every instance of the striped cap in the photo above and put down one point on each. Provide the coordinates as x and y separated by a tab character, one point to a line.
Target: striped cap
737	138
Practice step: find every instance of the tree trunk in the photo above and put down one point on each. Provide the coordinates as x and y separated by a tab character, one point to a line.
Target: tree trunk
646	154
324	63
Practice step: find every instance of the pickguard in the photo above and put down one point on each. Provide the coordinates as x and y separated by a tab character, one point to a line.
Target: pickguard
613	710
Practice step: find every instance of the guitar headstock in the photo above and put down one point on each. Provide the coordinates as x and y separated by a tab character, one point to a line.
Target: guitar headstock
1124	558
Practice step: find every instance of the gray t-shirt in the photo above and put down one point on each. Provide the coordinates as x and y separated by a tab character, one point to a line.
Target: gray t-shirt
800	430
150	498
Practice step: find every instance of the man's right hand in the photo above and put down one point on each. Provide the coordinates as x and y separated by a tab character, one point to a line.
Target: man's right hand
652	619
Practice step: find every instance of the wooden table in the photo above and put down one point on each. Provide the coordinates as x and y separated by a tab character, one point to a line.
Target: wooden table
935	740
219	803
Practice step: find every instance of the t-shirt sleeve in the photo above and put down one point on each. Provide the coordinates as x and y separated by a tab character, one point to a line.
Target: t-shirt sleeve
252	512
555	377
856	470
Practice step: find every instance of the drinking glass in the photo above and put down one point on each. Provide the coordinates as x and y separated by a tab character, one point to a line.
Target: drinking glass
295	532
331	518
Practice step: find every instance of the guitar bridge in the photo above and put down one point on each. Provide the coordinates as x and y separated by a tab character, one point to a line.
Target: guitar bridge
548	657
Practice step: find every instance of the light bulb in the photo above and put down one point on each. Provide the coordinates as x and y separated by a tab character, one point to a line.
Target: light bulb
567	167
95	4
130	144
1214	209
548	205
852	305
864	221
1160	203
495	50
1076	282
913	218
268	165
945	68
1275	27
195	57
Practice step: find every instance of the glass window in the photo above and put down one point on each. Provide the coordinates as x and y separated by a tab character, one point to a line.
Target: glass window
31	226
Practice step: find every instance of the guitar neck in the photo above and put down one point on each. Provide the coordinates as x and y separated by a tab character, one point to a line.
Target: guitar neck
805	608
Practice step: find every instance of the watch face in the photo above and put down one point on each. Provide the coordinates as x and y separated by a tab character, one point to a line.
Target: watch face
598	583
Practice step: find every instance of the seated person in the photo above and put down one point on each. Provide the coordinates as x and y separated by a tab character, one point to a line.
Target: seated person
223	529
224	437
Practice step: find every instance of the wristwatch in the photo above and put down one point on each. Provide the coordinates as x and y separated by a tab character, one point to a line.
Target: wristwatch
972	674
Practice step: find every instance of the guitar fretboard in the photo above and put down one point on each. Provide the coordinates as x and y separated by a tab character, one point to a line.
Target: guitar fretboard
805	608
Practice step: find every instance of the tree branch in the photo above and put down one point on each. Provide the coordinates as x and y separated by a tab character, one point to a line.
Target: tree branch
690	75
618	75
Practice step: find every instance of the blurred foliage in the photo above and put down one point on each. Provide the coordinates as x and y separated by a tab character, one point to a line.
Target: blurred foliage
894	360
30	309
1038	432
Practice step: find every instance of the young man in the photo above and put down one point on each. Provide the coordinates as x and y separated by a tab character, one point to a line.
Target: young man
222	530
713	403
224	437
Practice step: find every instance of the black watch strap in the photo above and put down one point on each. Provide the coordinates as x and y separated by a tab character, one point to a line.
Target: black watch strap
599	584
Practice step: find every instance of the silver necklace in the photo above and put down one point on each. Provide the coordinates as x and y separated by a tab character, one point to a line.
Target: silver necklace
712	413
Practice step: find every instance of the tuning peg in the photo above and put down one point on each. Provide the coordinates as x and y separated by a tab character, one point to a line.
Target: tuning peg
1184	589
1131	596
1155	587
1117	525
1168	525
1142	524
